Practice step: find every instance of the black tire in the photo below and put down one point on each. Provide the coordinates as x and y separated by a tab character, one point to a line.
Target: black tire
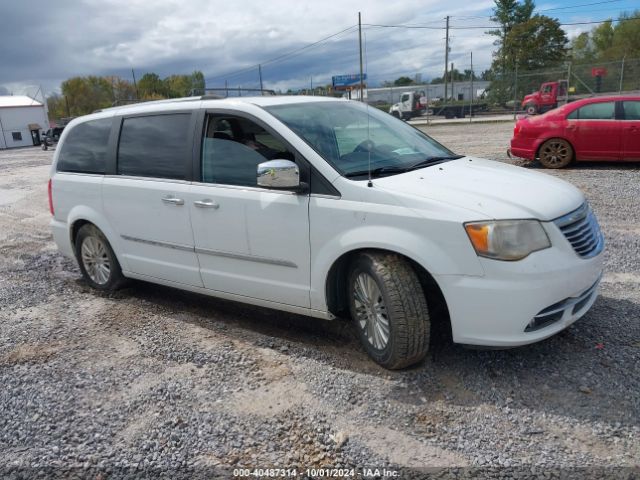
89	236
404	307
395	114
555	153
531	109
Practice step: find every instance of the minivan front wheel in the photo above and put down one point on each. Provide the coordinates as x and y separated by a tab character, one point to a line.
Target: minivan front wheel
389	309
98	263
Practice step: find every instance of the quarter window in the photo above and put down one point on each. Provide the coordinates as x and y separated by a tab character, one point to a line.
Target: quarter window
595	111
154	146
232	148
85	148
631	110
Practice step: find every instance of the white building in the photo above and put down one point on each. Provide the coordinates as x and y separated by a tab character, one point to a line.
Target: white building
22	120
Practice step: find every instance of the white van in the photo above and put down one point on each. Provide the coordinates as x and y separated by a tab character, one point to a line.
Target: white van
326	208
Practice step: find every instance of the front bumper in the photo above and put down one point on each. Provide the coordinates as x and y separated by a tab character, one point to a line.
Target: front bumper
517	303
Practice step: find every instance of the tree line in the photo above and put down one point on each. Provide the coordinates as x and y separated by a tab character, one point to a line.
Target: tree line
83	95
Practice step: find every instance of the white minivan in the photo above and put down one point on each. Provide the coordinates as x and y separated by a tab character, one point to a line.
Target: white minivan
326	208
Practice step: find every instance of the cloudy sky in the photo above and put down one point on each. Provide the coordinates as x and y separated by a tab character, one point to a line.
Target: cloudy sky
43	42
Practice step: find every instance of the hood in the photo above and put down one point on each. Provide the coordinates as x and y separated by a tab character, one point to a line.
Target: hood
494	190
531	96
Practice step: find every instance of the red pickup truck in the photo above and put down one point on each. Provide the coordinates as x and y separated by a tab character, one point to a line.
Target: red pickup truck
550	96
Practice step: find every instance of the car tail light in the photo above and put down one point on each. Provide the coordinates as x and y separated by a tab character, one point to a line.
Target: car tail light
517	129
50	197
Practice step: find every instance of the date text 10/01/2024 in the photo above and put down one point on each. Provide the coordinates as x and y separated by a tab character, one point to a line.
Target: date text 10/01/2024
316	473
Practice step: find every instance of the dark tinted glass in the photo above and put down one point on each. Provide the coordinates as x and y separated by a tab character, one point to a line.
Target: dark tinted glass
631	110
154	146
84	150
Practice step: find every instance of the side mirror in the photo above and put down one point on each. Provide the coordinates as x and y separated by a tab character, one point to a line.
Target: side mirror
279	174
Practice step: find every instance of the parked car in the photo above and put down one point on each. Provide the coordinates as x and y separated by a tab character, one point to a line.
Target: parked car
327	208
51	137
597	128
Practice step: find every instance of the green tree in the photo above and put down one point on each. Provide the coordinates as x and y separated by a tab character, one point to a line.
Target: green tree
602	36
56	107
509	13
535	44
151	86
525	42
87	94
403	81
582	48
197	81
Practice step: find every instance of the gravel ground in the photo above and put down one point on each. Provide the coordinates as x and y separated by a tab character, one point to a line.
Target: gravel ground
156	382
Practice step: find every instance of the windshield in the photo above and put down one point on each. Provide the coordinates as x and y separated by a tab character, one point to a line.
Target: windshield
355	138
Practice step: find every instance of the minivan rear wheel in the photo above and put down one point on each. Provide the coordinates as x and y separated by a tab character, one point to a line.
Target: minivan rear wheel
389	309
98	263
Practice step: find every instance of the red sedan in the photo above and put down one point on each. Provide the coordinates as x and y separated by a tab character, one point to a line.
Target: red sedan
591	129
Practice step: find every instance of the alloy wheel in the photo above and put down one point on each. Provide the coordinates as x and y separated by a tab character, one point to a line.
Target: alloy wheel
371	311
555	154
95	260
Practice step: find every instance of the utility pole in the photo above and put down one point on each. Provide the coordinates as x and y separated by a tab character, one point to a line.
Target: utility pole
361	72
446	60
453	93
622	73
135	85
260	74
515	92
311	81
471	90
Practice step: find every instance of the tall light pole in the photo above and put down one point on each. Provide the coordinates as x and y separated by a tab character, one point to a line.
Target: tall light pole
361	71
446	60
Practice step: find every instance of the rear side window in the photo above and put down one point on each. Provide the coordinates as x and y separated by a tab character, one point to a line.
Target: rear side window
85	148
154	146
595	111
631	110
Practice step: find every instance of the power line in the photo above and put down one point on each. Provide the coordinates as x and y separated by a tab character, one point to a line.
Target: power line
580	5
567	7
471	27
280	57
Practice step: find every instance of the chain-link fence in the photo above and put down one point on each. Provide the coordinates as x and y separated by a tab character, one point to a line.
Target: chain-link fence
584	78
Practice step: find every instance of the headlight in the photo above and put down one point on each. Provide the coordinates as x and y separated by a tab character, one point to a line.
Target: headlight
507	239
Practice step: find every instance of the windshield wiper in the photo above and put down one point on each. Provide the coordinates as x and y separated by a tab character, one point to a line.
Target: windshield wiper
376	172
432	161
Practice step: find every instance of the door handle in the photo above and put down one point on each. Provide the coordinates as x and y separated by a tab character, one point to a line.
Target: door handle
173	200
571	127
206	204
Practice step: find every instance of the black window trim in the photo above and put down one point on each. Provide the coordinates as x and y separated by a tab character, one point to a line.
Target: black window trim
114	144
303	164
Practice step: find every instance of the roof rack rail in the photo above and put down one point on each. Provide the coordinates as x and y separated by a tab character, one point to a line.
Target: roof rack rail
226	92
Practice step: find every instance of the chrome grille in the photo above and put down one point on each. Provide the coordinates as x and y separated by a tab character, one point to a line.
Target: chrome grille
581	228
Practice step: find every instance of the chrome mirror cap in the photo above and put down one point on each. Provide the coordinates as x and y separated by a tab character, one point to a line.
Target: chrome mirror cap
278	174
